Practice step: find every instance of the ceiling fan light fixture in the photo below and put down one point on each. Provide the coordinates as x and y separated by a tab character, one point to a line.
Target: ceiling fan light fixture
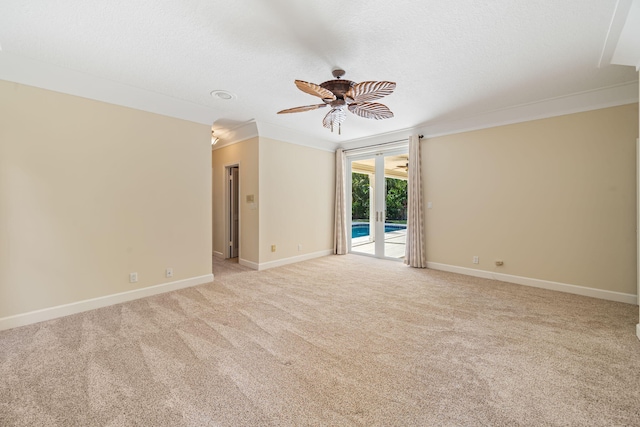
342	95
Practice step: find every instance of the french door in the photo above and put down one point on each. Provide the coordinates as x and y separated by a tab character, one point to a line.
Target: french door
377	190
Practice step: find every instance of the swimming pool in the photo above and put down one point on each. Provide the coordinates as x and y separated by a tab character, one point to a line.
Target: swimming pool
361	229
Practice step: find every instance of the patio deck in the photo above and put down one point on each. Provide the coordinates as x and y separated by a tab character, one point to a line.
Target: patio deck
394	244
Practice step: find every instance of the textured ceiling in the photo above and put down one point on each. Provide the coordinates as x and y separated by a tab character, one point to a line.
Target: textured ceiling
450	60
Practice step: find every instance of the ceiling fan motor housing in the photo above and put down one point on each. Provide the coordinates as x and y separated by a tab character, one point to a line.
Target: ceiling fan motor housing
338	87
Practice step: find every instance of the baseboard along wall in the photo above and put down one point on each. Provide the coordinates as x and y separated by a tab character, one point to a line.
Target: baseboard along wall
90	304
284	261
93	303
538	283
252	265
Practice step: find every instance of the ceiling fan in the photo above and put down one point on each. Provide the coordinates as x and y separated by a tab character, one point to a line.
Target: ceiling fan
345	94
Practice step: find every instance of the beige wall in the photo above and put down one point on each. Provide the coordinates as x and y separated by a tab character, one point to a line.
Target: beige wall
297	186
293	189
553	198
90	192
244	154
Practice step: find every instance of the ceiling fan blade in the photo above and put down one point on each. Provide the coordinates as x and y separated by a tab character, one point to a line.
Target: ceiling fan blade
371	110
316	90
334	117
301	109
369	91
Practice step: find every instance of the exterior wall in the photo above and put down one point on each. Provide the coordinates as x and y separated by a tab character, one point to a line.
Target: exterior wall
90	192
555	199
245	154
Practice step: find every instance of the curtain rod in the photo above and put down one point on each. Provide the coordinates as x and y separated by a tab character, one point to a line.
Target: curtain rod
379	145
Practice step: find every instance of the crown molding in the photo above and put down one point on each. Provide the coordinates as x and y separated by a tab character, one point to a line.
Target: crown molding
625	30
382	138
27	71
30	72
255	129
280	133
240	133
615	29
612	96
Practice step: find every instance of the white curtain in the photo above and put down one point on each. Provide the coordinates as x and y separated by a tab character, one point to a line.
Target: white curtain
415	255
340	228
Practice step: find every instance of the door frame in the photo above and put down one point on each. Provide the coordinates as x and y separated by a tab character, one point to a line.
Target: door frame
227	210
379	188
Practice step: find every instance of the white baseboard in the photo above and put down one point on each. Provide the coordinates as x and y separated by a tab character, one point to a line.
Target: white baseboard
538	283
93	303
252	265
294	259
217	254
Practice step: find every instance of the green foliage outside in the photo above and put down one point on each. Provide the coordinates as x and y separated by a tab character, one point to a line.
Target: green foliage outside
396	198
359	197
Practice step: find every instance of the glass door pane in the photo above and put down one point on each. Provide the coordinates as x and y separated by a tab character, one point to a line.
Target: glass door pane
395	196
363	233
379	205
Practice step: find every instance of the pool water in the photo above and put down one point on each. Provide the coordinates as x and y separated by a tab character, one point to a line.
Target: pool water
361	229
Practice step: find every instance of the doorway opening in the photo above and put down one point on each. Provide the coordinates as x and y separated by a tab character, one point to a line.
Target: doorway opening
233	211
378	202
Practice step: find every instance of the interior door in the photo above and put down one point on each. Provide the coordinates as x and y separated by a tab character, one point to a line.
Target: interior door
378	204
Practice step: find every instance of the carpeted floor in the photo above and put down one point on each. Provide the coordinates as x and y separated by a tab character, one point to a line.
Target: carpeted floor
336	341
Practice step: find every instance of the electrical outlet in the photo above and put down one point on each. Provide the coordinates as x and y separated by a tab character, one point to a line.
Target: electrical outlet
273	248
133	277
168	273
476	259
299	247
499	262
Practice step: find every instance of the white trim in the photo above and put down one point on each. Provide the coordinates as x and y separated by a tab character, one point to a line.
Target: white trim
293	136
597	99
537	283
252	265
638	330
227	208
615	29
99	302
15	68
627	49
401	147
294	259
218	254
31	72
240	133
382	138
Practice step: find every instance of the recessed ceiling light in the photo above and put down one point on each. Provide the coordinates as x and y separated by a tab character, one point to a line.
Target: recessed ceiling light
223	94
